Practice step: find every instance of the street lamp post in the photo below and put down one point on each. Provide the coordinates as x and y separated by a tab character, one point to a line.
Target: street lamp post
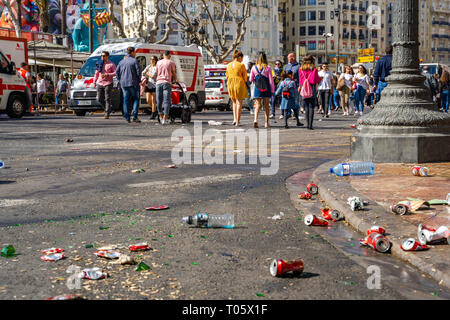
405	126
91	35
337	12
326	36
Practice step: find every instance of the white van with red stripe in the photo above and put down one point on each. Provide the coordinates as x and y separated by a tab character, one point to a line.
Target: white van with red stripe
189	67
15	97
216	87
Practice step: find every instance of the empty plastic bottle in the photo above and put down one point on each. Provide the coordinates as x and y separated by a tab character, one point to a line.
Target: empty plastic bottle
354	168
206	220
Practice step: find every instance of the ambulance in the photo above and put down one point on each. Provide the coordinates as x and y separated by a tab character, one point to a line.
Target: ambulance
15	97
188	60
216	87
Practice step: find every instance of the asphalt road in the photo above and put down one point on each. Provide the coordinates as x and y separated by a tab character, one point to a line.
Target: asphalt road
55	193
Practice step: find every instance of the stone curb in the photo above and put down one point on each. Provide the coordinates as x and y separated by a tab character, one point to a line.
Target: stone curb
336	190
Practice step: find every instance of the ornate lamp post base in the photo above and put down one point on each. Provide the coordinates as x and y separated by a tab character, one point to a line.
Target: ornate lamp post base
405	125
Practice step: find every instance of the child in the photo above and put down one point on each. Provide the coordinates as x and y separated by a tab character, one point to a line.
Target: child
286	89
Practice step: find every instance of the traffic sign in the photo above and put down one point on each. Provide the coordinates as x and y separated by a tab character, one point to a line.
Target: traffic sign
366	52
366	59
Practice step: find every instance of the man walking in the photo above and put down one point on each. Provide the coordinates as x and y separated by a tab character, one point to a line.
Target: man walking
61	91
103	80
128	73
382	71
165	75
293	66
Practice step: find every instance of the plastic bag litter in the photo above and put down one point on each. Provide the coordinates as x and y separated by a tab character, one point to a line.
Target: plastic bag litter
215	123
277	216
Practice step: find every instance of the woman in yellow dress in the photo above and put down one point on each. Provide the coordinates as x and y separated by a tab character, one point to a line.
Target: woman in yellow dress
236	83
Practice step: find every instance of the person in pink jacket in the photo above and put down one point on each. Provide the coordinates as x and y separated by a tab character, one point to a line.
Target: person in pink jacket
308	72
261	75
103	80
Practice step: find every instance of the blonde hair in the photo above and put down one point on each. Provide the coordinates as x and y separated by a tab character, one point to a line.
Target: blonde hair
262	60
308	63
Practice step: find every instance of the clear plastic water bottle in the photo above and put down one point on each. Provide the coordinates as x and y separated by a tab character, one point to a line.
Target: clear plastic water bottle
206	220
2	164
354	168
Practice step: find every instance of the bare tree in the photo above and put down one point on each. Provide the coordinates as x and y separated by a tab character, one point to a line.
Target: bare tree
145	27
215	13
15	15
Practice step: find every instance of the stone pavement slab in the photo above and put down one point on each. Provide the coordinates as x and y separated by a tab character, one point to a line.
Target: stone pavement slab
390	184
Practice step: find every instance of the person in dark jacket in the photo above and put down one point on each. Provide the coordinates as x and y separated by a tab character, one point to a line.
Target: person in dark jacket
129	74
445	90
382	71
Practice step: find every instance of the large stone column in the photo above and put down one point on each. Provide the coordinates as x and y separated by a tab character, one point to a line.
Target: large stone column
405	126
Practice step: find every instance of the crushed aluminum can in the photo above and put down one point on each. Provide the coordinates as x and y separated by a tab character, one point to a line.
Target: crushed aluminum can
170	166
399	209
153	208
52	251
353	126
329	214
419	171
355	203
429	235
312	220
279	267
376	229
139	247
108	254
305	195
93	274
377	241
66	297
312	188
53	257
2	164
412	244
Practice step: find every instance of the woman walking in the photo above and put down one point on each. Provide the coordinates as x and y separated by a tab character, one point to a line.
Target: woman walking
445	90
309	79
344	87
261	75
148	77
236	83
362	88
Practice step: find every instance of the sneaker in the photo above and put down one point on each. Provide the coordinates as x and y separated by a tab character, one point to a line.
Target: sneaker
361	113
251	112
136	120
299	124
356	113
162	121
271	116
301	118
281	117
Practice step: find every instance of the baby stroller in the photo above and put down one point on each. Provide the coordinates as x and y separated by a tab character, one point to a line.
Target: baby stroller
180	107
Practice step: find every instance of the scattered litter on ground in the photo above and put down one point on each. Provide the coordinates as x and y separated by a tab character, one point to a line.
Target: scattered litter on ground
277	216
330	214
124	259
376	229
312	188
304	195
93	274
355	203
138	171
419	171
412	244
206	220
259	295
170	166
399	209
108	254
280	267
376	240
8	251
156	208
142	266
53	257
214	123
139	247
67	297
312	220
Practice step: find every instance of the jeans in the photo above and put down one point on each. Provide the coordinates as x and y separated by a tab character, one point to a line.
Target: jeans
163	97
104	97
380	88
325	100
132	92
360	95
336	98
274	102
445	100
309	105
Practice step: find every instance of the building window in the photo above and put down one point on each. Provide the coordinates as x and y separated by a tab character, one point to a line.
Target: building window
303	31
312	30
311	15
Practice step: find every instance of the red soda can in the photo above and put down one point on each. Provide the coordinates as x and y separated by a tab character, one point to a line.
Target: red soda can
279	267
376	229
305	195
329	214
312	220
427	234
412	244
53	257
139	247
312	188
377	241
52	251
93	274
419	171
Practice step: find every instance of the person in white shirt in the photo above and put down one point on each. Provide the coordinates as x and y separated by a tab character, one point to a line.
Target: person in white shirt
325	88
362	88
344	91
41	88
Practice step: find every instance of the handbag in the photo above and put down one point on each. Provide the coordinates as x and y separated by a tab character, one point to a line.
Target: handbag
341	84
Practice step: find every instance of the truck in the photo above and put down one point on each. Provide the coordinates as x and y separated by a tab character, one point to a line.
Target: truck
15	96
188	60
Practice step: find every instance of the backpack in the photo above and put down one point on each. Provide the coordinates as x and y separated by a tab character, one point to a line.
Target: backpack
286	91
262	82
306	91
